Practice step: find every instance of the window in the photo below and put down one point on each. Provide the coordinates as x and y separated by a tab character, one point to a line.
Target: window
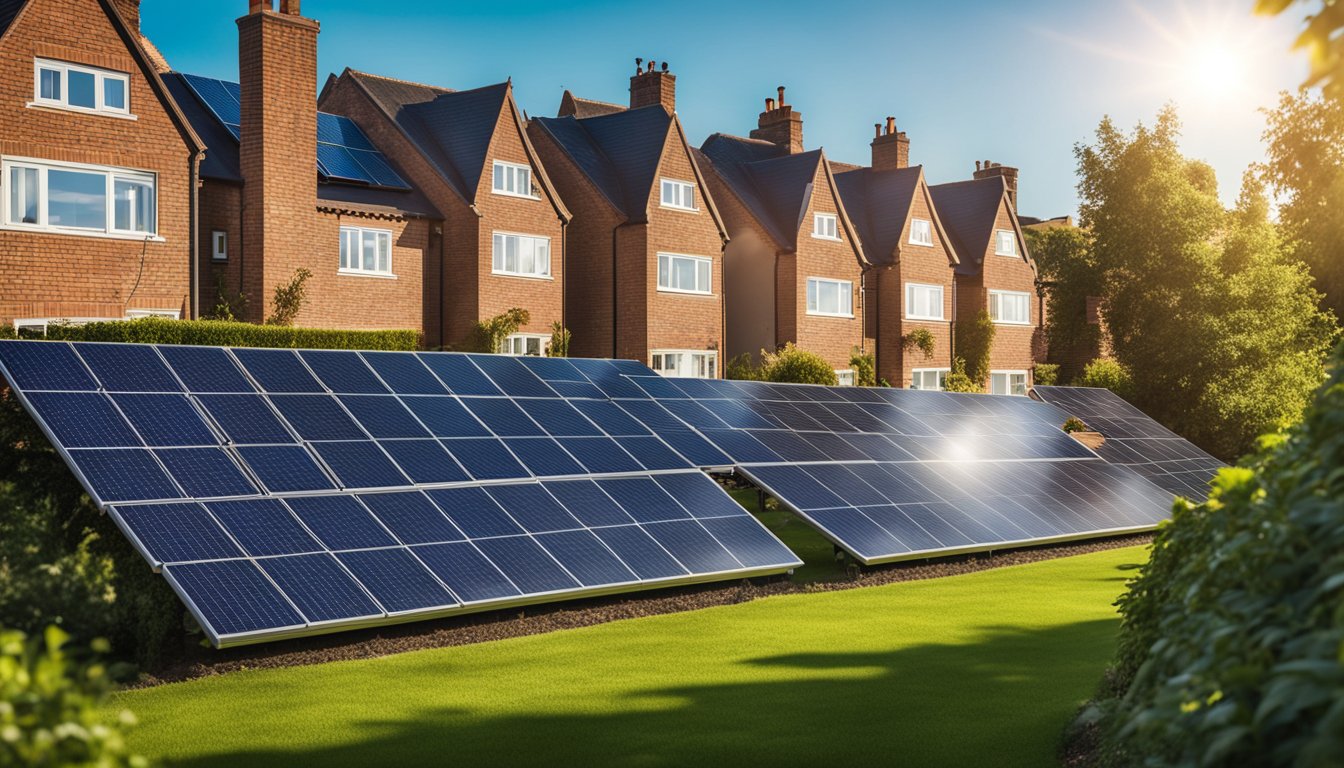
78	198
687	364
929	378
71	86
366	251
219	245
1005	243
921	232
825	226
684	274
845	378
923	302
1008	382
1010	307
521	255
678	194
830	297
532	344
513	179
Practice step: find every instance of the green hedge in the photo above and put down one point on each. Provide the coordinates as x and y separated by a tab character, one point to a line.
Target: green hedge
220	333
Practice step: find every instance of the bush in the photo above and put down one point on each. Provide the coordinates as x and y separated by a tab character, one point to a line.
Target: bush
49	705
921	339
560	338
865	368
974	340
959	381
1231	636
1045	374
742	368
488	336
289	298
796	366
1107	374
1074	424
158	330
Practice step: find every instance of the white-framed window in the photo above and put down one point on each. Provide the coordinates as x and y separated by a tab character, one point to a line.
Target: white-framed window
514	180
685	363
521	255
680	273
1008	382
169	314
76	198
678	194
844	378
834	298
366	251
527	344
923	302
921	232
86	89
1005	242
929	378
219	245
1010	307
825	226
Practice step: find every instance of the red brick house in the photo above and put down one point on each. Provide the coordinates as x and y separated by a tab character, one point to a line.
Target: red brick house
794	267
996	273
504	243
646	243
903	235
96	168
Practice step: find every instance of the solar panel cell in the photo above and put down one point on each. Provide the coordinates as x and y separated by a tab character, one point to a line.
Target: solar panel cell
425	462
383	416
285	468
277	370
412	517
205	473
543	456
527	565
397	580
264	527
360	464
586	501
404	373
643	499
165	420
474	512
124	474
83	419
512	376
343	372
503	417
693	546
340	522
233	597
640	552
587	558
600	455
175	533
468	573
320	587
317	417
459	373
486	459
751	544
45	365
246	419
205	369
128	368
533	508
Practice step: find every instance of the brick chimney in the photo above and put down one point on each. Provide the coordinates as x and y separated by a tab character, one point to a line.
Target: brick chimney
780	125
891	149
130	13
649	87
277	72
988	170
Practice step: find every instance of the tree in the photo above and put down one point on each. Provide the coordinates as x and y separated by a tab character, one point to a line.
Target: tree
1219	327
1068	271
289	298
789	364
974	341
1323	40
489	335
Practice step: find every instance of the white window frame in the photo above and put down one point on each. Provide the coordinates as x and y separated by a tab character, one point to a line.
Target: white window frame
516	344
1002	236
499	262
940	375
357	235
665	275
708	365
1007	378
219	245
909	301
504	174
814	297
680	190
111	176
996	307
100	76
845	377
826	226
921	225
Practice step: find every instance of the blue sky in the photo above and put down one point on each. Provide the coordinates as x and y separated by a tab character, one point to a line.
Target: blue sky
1018	83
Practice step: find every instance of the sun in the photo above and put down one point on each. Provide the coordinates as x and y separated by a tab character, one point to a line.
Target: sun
1213	70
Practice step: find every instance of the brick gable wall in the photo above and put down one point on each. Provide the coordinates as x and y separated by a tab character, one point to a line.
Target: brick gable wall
748	275
915	264
834	338
58	275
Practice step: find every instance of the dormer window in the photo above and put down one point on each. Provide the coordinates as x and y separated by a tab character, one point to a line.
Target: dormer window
514	180
80	88
679	195
921	232
825	226
1005	243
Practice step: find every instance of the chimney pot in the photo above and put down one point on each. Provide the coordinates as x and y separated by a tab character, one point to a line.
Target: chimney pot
781	97
650	65
977	165
877	130
639	64
289	7
780	125
649	87
769	105
891	124
257	6
664	66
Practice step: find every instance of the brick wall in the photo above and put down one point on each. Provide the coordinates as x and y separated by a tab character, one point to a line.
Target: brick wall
1015	346
834	338
59	275
916	264
749	274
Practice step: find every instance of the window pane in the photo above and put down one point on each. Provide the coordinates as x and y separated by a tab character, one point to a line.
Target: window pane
497	259
81	87
702	269
664	272
846	298
384	252
543	257
499	178
76	199
369	251
114	93
688	196
811	295
133	206
345	249
526	263
49	84
510	253
524	181
23	195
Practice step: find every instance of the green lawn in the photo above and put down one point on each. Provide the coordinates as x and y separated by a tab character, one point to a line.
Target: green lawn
979	669
816	552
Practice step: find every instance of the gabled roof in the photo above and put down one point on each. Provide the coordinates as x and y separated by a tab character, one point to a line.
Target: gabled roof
9	10
729	149
879	203
969	210
571	105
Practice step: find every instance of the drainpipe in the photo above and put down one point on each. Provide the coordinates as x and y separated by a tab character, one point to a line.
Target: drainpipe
564	274
443	256
194	229
723	315
952	326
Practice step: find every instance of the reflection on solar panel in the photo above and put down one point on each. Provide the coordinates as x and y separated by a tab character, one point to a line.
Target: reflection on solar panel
1135	440
285	493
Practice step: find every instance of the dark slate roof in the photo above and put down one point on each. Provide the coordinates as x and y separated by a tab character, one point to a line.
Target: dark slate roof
968	210
878	203
9	9
725	148
581	108
773	189
452	129
619	152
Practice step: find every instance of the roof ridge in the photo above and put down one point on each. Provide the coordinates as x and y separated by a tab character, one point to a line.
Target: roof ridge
596	101
362	73
968	181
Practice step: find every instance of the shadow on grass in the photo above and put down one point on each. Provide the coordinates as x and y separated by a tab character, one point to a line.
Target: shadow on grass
1000	700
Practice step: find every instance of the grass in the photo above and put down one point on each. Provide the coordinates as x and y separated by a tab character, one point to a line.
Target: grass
979	669
816	552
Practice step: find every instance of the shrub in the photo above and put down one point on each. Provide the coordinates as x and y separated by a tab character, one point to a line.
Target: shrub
796	366
560	338
1045	374
959	381
228	306
921	339
158	330
49	705
1074	424
289	298
865	368
1107	374
488	336
1229	651
974	340
742	368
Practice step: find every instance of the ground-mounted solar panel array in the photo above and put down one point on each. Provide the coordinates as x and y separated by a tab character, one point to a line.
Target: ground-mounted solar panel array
287	492
1135	440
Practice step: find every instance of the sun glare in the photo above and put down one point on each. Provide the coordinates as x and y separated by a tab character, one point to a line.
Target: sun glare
1214	71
